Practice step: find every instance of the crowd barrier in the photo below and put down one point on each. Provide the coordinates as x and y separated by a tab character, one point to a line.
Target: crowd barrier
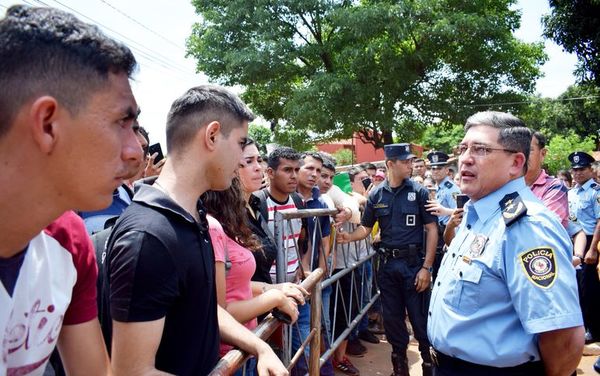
357	259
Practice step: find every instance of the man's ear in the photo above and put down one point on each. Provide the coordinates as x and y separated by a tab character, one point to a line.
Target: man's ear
544	151
213	129
270	172
518	163
45	121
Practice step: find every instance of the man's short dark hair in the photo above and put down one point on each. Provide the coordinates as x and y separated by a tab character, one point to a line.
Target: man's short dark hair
46	51
418	160
353	171
541	139
198	107
312	154
329	163
280	153
368	166
514	135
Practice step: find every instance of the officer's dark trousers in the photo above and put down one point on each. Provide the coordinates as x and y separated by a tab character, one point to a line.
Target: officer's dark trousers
398	296
590	297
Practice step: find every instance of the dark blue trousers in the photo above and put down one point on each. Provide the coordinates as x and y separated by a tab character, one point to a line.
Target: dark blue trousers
398	296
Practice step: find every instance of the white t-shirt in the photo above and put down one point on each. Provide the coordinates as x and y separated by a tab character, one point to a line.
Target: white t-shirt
291	233
56	285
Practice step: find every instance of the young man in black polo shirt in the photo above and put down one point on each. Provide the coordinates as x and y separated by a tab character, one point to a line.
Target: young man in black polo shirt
160	264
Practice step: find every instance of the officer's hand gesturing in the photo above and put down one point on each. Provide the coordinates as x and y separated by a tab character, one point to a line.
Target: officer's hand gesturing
422	280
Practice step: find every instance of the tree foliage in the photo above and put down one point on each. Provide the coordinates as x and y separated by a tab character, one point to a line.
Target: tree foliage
380	68
576	110
575	25
344	157
437	137
561	146
262	135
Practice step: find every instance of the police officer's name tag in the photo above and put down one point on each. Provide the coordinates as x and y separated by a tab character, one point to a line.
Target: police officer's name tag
540	266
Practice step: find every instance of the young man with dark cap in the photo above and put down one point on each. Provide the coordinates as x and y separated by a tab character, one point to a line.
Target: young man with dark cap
404	278
584	208
445	199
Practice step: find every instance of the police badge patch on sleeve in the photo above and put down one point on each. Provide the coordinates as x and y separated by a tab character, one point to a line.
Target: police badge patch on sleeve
540	266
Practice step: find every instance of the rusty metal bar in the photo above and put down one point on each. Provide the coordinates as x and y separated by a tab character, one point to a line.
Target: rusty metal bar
314	364
235	358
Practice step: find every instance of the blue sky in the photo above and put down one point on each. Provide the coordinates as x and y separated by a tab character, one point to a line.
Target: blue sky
156	31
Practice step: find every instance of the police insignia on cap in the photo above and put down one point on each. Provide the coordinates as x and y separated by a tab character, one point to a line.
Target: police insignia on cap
540	266
412	196
434	158
576	158
477	246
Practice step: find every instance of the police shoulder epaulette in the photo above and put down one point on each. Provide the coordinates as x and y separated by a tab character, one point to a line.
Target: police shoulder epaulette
448	184
513	208
595	186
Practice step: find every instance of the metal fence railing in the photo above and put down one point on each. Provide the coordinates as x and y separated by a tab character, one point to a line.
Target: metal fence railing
330	296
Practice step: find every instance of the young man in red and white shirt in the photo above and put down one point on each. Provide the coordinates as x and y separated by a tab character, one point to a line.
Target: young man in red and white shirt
66	142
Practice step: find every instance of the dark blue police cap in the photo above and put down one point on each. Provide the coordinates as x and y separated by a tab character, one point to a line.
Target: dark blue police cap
580	159
398	151
438	158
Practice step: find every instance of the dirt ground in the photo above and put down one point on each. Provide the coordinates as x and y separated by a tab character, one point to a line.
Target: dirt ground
376	362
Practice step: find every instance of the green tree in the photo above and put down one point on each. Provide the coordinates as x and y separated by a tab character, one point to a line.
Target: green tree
561	146
575	25
380	68
437	137
576	110
344	157
262	136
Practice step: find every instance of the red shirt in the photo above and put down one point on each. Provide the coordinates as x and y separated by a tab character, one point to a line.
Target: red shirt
553	194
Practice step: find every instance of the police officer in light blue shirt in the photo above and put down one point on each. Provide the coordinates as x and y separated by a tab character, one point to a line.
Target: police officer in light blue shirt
445	200
505	301
584	208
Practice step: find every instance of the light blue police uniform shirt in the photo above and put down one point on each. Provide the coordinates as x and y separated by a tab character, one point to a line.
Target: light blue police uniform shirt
486	309
446	196
584	205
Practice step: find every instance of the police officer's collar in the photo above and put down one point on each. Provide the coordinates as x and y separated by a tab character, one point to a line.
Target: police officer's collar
588	184
386	184
488	206
447	178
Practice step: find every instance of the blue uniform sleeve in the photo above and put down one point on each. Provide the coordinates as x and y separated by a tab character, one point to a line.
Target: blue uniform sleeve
368	218
451	197
539	275
596	204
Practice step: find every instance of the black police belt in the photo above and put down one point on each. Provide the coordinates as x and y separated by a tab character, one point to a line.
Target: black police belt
410	251
447	362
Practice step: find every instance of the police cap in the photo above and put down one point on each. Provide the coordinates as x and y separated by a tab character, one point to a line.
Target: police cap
438	158
398	151
580	159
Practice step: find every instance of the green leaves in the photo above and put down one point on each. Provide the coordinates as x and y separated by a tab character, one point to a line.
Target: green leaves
381	68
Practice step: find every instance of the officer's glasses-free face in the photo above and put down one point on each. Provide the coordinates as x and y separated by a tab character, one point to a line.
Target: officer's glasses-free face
479	150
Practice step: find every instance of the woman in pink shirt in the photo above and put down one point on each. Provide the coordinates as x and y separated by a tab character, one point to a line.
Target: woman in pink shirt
233	244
